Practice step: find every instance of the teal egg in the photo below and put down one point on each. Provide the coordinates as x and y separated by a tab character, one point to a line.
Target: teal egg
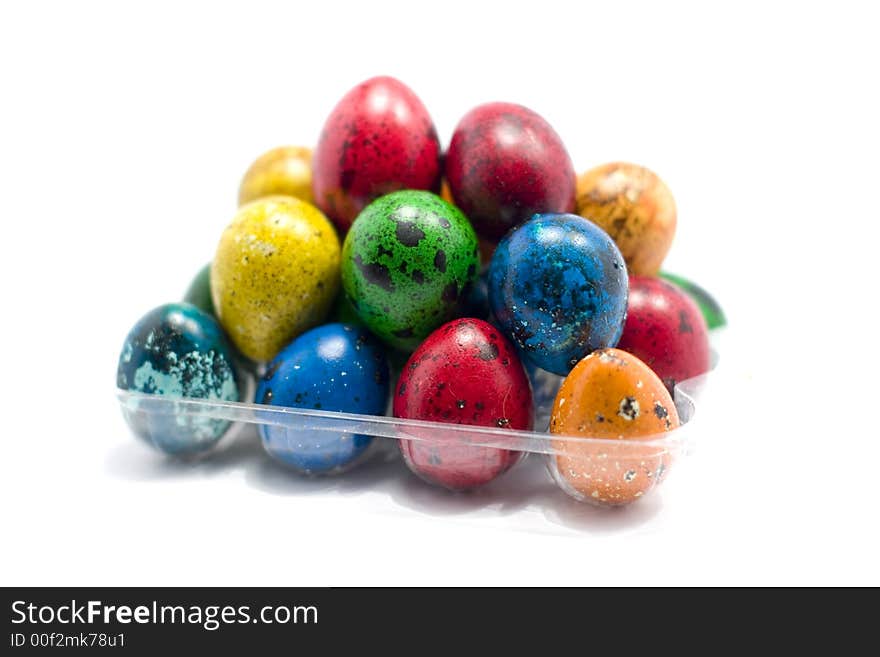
179	352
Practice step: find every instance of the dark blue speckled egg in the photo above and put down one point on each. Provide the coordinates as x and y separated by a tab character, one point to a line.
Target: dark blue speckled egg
335	367
177	351
558	289
476	303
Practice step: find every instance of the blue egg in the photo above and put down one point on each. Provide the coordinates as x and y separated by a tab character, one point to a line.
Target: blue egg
545	385
558	288
476	303
335	367
177	351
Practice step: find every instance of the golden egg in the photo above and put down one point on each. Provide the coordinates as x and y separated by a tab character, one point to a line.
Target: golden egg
286	170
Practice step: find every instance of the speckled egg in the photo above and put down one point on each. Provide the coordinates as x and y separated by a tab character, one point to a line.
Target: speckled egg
635	207
709	307
378	139
504	164
199	291
615	398
285	171
335	367
408	261
465	372
275	274
664	328
557	287
177	351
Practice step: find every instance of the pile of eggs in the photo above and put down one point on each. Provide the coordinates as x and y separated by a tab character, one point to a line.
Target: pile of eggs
379	274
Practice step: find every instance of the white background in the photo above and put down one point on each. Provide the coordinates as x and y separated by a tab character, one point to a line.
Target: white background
126	127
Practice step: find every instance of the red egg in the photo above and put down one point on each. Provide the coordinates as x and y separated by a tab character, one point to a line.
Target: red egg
666	330
465	372
378	139
505	163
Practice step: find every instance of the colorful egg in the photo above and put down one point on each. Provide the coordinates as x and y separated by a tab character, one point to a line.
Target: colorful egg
711	309
635	207
335	367
378	139
664	328
613	397
465	372
177	351
557	287
407	263
275	274
285	171
199	291
504	164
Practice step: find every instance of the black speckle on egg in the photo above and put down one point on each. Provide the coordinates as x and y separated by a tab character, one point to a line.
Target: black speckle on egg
375	273
408	233
450	293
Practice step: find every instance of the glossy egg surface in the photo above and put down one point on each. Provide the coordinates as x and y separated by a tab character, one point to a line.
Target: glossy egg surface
335	367
635	207
558	287
285	171
465	372
178	351
378	139
408	262
614	397
665	329
504	164
275	274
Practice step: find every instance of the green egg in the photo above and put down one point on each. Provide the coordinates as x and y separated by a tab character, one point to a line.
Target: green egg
199	291
712	312
343	312
407	262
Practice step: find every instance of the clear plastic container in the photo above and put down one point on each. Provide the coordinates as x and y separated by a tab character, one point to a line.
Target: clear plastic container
651	457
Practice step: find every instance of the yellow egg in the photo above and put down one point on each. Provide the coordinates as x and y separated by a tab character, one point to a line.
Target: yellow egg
635	208
275	274
284	170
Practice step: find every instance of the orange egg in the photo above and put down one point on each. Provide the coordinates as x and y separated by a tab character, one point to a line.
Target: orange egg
446	193
635	207
613	396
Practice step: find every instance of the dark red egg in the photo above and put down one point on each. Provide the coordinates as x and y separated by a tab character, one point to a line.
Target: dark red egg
505	163
378	139
465	372
666	330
